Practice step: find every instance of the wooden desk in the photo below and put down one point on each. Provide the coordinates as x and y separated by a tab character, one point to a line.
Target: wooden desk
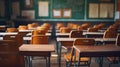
86	34
8	33
2	27
59	44
47	34
97	51
25	30
30	30
37	50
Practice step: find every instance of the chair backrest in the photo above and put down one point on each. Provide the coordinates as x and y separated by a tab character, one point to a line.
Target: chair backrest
110	34
76	34
40	39
47	25
59	25
80	28
30	26
38	32
92	30
35	24
84	41
65	30
8	46
12	30
23	27
23	33
17	38
85	25
118	40
9	54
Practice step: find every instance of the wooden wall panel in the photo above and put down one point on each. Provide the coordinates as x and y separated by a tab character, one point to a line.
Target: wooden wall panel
118	5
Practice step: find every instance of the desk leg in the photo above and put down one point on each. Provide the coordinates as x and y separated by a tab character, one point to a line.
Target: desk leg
78	60
29	60
48	61
119	61
101	61
59	54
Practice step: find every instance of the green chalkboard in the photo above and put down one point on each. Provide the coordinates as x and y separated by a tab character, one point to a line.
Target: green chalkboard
77	7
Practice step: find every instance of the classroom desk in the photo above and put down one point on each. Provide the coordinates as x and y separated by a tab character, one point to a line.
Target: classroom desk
47	34
43	50
59	44
97	51
24	38
86	34
2	27
15	33
8	33
25	30
30	30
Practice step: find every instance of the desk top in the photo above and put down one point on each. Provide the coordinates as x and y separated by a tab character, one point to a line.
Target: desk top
96	39
84	33
104	50
37	48
8	33
2	25
47	34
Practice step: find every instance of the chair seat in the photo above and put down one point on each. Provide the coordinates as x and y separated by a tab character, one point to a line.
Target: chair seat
113	59
68	58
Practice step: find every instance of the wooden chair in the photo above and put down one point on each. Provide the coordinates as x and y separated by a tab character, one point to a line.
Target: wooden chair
38	32
35	24
30	26
92	29
23	27
76	34
73	34
75	26
47	25
80	28
115	60
110	34
59	25
17	38
85	25
39	39
9	54
12	30
23	33
69	58
101	25
65	30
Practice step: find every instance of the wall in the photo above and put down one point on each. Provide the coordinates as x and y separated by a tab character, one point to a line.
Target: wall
80	11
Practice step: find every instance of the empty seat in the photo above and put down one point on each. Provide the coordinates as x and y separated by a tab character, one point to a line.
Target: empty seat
22	27
115	60
12	30
39	39
69	57
65	30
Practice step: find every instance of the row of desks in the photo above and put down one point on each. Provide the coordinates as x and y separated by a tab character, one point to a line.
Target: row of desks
30	50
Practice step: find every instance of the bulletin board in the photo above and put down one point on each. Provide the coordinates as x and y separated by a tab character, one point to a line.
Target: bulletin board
76	8
101	9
